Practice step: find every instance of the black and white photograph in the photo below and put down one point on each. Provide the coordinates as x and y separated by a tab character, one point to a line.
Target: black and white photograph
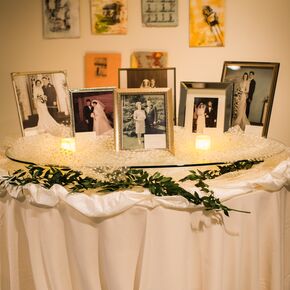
61	18
254	88
149	78
205	114
93	110
43	103
143	119
160	12
205	108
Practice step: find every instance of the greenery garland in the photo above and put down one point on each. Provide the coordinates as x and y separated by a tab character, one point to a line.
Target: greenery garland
157	184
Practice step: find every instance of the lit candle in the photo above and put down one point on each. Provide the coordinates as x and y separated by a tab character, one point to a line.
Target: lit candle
68	144
202	142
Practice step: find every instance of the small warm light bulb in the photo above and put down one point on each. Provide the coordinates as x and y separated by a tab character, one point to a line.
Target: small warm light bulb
202	142
68	144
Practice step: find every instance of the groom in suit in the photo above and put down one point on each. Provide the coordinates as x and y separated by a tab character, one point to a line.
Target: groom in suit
87	112
210	116
252	87
50	92
151	118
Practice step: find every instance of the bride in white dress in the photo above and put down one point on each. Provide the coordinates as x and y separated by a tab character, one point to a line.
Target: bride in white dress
200	123
101	122
46	123
241	117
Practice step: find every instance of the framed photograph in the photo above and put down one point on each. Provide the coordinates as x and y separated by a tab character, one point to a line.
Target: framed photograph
109	16
149	78
254	89
160	13
149	59
93	110
205	108
61	19
43	103
101	69
143	119
206	23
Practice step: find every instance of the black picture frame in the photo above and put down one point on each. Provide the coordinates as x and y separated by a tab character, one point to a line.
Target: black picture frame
259	94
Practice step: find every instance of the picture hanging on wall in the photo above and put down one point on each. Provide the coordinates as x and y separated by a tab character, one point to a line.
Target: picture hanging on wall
206	23
101	69
43	103
109	16
143	119
205	108
149	59
61	19
149	78
160	12
93	110
254	88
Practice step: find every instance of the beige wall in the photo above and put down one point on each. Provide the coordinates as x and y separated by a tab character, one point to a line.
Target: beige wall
256	30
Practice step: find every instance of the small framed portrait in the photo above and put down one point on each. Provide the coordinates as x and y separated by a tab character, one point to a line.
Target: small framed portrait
143	119
101	69
109	16
160	13
61	19
93	110
205	108
43	103
149	78
254	89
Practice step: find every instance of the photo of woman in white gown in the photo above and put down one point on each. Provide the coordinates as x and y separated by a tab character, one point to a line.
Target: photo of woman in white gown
46	123
139	117
200	113
243	90
101	123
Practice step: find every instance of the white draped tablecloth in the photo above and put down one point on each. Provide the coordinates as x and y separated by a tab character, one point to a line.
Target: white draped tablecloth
129	240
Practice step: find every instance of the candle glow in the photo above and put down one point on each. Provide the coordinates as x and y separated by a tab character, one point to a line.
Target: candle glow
202	142
68	144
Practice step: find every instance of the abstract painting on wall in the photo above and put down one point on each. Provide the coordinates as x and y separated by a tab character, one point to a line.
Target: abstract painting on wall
149	59
206	23
109	16
101	69
61	19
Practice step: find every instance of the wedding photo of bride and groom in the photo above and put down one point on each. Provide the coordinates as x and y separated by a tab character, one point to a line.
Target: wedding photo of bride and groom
44	105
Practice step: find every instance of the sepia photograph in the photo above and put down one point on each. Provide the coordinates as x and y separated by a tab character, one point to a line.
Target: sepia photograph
149	59
93	110
43	103
61	19
109	16
254	89
143	119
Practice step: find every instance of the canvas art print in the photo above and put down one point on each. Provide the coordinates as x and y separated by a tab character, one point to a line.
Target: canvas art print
109	16
206	23
254	88
93	110
149	59
43	103
101	69
160	12
61	19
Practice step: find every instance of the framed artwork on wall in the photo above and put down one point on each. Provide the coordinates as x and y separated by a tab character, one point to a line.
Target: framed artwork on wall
101	69
206	23
61	19
205	108
93	110
109	16
149	78
43	103
254	89
149	59
160	12
143	119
